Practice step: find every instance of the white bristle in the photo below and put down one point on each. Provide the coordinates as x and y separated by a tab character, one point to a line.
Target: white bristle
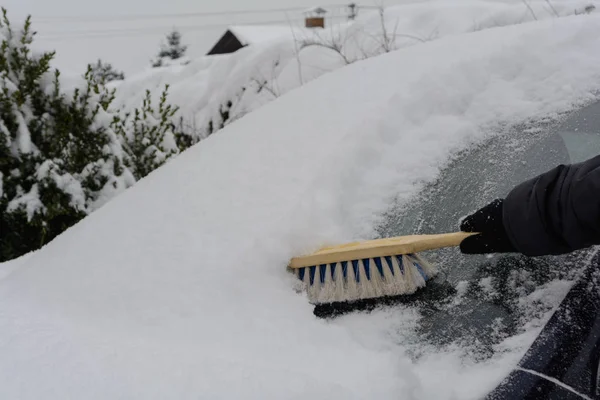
298	275
389	282
305	280
365	289
339	283
405	280
315	288
400	284
328	287
323	287
351	292
376	279
413	278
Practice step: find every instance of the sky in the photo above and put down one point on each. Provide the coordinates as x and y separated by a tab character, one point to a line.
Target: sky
128	33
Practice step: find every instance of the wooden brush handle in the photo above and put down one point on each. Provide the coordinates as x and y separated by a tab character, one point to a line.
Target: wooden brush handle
431	242
380	248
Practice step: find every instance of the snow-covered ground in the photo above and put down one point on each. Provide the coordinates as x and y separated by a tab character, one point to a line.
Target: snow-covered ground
178	287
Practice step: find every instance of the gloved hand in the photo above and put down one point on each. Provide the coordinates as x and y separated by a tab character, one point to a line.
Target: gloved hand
492	237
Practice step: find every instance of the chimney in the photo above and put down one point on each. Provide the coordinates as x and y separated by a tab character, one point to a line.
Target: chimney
315	17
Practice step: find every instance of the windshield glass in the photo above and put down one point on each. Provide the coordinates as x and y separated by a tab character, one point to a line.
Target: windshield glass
581	145
581	134
481	306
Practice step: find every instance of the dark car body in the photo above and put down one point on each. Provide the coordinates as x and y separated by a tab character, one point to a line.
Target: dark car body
563	361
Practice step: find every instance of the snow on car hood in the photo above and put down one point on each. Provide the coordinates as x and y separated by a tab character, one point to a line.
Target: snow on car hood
178	287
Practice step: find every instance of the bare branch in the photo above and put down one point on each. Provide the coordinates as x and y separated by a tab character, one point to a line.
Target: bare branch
552	8
530	9
384	34
395	35
274	82
419	39
332	45
263	83
300	78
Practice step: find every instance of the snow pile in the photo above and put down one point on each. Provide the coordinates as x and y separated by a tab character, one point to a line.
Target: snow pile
260	34
216	90
178	288
30	201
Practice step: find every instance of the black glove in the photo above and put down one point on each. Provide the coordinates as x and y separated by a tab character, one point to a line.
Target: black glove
492	237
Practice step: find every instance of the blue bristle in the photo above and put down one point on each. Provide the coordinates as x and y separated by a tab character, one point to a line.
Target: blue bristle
301	273
379	266
322	270
421	271
366	263
355	267
401	264
332	267
312	271
388	259
345	269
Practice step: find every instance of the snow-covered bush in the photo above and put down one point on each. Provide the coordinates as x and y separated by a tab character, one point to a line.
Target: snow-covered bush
105	72
65	154
58	160
149	137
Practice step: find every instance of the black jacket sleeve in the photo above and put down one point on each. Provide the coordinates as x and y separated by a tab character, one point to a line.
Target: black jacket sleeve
556	212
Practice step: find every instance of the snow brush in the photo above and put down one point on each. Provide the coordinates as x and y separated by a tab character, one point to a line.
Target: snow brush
370	269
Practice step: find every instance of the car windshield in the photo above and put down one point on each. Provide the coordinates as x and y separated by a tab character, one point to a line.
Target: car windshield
484	304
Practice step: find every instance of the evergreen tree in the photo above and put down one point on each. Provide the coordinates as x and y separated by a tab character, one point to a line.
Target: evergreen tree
58	162
104	72
173	50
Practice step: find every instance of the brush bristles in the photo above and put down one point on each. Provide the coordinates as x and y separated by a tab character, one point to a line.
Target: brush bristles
365	279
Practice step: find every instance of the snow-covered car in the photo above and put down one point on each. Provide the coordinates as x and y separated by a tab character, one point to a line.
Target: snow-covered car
178	288
495	300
